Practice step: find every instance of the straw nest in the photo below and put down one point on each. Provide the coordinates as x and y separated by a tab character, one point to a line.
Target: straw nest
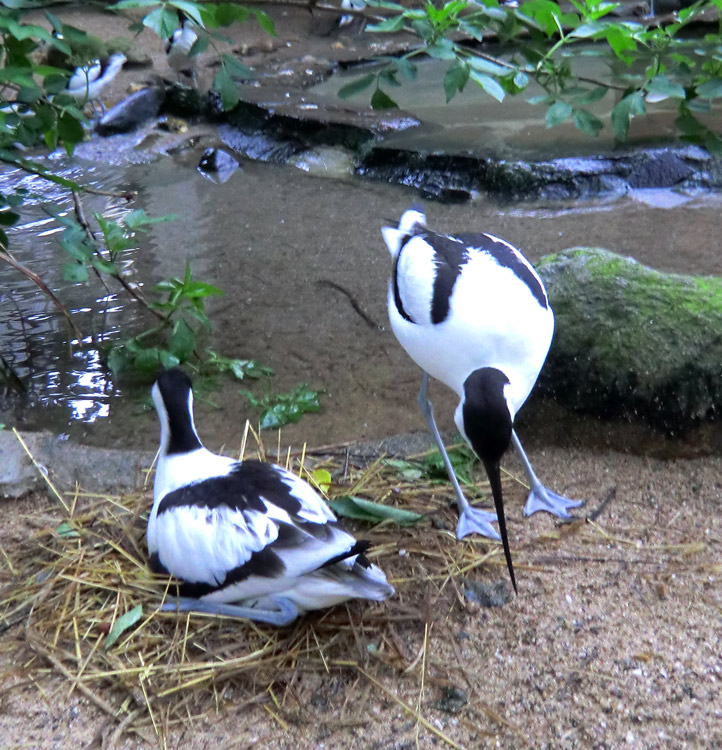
80	602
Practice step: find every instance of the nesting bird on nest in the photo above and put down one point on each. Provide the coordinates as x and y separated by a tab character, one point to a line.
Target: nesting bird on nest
89	64
246	538
87	83
471	311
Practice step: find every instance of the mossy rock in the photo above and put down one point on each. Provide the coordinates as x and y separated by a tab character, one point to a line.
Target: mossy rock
632	341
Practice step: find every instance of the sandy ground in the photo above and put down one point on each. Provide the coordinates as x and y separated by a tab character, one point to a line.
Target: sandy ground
614	639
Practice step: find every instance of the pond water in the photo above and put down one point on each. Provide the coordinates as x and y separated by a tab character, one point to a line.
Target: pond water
473	122
270	237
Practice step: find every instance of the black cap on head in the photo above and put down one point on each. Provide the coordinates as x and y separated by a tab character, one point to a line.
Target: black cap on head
176	388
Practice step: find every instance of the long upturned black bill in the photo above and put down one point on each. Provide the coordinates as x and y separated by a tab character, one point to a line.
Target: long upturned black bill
494	474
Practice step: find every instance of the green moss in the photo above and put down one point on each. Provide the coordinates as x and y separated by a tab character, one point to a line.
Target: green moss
629	338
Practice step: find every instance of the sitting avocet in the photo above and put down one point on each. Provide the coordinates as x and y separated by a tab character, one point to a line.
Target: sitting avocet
247	539
87	82
471	311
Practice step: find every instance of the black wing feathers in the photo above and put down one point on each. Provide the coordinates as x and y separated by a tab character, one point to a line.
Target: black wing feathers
450	256
240	490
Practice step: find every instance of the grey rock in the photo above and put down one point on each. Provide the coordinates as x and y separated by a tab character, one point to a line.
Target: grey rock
93	469
452	700
217	165
495	594
131	112
633	342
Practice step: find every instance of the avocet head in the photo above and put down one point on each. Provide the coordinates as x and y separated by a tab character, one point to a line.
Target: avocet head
172	395
412	221
484	416
485	419
116	61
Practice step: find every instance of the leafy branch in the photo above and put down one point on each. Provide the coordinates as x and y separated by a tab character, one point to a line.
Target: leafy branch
539	41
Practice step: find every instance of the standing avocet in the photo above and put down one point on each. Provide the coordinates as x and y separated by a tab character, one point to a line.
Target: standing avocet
471	311
248	539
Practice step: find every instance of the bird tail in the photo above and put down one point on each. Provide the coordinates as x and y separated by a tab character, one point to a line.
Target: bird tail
371	580
359	577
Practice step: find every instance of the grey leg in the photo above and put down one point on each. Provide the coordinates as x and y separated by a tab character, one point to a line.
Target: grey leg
541	498
471	520
286	613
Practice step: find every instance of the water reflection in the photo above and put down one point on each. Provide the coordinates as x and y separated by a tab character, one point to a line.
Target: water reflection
267	237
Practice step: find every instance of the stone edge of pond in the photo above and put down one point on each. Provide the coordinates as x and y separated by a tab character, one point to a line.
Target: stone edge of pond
94	469
276	125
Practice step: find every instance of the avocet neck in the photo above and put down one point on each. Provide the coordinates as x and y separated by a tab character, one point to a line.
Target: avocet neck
177	428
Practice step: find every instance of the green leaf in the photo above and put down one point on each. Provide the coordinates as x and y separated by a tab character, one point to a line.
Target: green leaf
123	623
76	273
621	41
455	79
443	49
8	218
587	122
521	80
406	68
236	68
358	508
264	21
104	266
407	470
590	96
163	21
711	89
546	13
690	125
283	408
558	113
490	86
67	531
189	9
117	358
138	218
662	87
487	66
587	30
147	360
226	14
70	131
626	108
167	359
133	4
224	83
199	46
395	23
356	86
381	100
182	341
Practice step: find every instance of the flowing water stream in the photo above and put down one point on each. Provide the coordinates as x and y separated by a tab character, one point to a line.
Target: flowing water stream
271	237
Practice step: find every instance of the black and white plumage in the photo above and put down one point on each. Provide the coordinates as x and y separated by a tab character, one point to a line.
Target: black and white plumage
178	48
248	538
87	83
471	311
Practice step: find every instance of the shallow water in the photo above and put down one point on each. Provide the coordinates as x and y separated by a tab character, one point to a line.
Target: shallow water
268	237
474	122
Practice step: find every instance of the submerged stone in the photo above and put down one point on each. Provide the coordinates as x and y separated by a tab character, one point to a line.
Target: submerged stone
631	341
131	112
217	165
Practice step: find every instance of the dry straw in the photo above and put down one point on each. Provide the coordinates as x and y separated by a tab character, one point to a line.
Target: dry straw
78	601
